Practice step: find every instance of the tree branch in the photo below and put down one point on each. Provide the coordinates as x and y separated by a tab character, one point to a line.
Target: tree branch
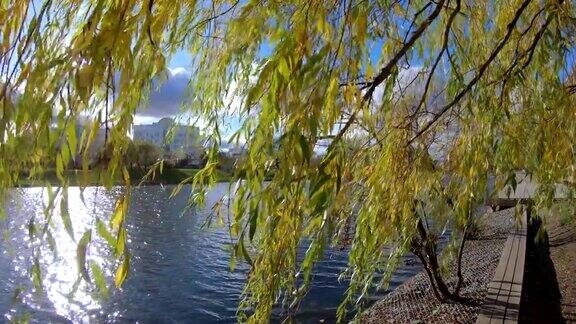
387	70
478	76
439	57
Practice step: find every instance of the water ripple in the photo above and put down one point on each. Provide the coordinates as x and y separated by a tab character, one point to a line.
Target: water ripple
180	272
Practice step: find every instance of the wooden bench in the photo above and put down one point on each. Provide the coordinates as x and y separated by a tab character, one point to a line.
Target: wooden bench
502	303
501	203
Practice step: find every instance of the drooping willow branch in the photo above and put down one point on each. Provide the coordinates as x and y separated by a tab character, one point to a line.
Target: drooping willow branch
438	57
388	68
510	28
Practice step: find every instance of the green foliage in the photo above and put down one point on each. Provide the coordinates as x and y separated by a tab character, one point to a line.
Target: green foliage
488	96
475	228
81	254
141	154
565	211
227	163
122	271
99	279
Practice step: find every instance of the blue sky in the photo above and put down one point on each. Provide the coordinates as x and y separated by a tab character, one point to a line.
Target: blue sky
180	59
166	101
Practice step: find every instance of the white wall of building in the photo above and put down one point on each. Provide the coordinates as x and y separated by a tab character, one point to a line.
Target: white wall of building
183	138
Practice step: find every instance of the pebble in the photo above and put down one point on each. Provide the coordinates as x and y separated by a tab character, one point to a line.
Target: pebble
414	301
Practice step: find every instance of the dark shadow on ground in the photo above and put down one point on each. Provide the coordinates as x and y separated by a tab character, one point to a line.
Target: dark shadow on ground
540	302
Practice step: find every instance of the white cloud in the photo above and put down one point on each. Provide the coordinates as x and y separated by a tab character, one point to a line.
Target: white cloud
408	80
179	71
165	101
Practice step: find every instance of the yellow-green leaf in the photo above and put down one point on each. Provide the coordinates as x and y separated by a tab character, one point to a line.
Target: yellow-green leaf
37	275
122	271
105	234
65	215
81	254
118	217
99	278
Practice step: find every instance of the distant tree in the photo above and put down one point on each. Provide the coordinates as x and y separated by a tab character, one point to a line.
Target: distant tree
174	158
142	154
297	73
228	162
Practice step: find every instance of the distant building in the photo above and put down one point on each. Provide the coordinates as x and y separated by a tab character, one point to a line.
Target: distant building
232	150
171	137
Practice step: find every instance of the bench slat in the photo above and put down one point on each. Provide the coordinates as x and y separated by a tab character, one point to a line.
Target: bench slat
504	291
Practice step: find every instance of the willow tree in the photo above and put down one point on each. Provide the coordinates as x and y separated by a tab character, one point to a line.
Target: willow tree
488	97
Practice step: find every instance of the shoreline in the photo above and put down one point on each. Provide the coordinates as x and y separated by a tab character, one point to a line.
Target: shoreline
170	176
413	301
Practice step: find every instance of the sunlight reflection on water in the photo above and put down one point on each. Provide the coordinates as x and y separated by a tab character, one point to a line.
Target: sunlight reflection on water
59	268
179	271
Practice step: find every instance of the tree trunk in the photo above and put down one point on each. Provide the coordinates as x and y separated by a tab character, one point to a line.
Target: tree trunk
459	263
425	250
435	268
430	276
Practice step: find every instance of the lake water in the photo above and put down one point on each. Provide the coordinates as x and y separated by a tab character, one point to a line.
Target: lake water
179	270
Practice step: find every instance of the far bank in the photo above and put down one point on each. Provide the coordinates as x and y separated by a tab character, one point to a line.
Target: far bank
93	177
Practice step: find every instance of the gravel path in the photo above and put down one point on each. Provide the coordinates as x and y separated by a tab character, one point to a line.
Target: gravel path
414	302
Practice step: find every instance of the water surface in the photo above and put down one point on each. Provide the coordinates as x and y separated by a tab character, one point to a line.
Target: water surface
179	270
